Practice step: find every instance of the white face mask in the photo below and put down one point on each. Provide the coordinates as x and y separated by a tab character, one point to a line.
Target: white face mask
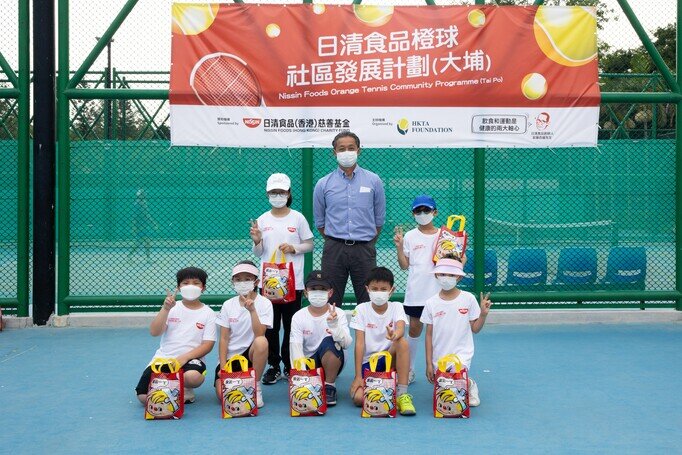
379	297
447	282
318	298
424	218
278	200
190	292
243	287
347	158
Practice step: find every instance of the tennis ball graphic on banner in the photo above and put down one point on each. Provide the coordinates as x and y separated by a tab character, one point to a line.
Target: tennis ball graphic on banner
373	15
567	35
476	18
319	8
272	30
193	19
403	125
534	86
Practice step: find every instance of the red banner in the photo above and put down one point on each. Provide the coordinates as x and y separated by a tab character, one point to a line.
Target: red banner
295	75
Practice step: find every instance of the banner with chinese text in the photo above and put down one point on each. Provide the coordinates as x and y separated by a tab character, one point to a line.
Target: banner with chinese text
251	75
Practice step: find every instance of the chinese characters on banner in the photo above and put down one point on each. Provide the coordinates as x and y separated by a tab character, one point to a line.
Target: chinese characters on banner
429	76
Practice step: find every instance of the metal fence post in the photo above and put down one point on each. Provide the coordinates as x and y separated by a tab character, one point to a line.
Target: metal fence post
678	170
23	160
479	214
64	162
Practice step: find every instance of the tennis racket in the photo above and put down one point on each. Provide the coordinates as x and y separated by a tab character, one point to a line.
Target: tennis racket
223	79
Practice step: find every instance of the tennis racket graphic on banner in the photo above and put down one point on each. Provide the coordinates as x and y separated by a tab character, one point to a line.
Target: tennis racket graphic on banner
223	79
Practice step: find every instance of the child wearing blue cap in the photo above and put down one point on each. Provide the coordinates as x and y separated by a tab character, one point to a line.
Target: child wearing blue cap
415	254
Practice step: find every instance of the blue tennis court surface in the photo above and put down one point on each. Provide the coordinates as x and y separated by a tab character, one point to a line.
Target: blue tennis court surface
544	389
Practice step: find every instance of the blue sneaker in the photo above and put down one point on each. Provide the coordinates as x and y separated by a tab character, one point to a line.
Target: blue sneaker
330	391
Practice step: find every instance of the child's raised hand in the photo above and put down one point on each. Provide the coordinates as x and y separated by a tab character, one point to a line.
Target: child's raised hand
485	303
254	232
390	333
332	318
398	237
249	304
169	301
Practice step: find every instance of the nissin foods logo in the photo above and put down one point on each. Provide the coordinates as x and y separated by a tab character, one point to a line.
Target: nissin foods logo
251	122
420	127
403	126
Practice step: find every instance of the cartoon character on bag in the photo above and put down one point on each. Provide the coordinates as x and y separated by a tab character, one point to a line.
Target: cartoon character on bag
378	402
275	285
238	402
306	399
451	401
162	402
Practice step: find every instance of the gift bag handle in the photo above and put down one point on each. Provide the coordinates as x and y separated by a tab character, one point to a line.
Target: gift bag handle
451	222
374	359
243	363
449	358
159	362
274	256
299	363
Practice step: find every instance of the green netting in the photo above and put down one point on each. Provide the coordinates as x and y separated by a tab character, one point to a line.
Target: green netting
196	204
8	228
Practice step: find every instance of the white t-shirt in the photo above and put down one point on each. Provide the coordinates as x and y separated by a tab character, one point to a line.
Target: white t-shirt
451	325
235	317
367	320
186	329
421	282
309	330
292	229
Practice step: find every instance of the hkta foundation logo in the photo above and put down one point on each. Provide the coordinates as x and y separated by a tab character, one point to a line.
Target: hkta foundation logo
403	126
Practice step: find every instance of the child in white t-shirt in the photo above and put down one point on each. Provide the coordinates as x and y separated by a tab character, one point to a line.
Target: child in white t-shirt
320	332
452	317
187	329
379	326
281	230
243	320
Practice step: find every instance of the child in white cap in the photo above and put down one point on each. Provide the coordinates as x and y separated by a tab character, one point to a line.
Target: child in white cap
243	320
452	317
285	231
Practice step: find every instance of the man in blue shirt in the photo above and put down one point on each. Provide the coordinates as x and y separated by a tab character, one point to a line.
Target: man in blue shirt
349	206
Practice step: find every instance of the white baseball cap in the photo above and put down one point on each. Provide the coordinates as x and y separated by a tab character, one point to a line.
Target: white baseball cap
449	266
278	182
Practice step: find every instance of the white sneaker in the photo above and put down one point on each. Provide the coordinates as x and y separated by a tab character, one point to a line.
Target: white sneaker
473	393
189	395
259	398
411	377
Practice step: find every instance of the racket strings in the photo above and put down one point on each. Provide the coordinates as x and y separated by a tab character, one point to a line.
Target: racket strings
223	81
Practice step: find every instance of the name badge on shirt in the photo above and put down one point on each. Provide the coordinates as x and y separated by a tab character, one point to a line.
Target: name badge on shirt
365	189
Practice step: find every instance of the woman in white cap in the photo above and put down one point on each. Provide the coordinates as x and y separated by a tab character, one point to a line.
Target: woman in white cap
452	317
284	229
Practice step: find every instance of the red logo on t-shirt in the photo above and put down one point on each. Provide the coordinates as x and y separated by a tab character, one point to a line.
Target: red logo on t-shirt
291	229
307	332
463	310
173	319
267	228
419	247
439	314
233	320
371	326
200	326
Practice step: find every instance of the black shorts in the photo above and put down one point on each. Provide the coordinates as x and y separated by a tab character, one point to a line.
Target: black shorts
143	385
414	311
235	365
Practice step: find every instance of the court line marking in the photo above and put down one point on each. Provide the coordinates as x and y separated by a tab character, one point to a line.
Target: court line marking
17	355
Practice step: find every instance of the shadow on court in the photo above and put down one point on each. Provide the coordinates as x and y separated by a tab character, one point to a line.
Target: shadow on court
588	388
